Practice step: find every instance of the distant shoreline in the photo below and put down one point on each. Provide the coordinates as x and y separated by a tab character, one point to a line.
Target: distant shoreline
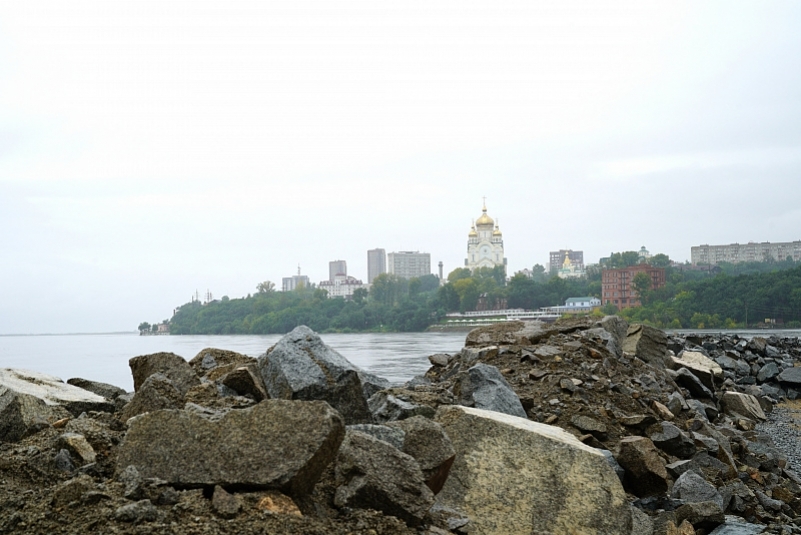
69	334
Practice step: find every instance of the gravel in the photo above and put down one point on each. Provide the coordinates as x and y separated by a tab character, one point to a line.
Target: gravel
784	427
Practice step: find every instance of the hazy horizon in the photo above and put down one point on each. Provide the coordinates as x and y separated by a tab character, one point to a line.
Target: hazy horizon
151	150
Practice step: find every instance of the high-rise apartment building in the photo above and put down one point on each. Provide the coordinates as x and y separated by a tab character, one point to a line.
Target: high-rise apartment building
337	267
409	264
376	264
295	281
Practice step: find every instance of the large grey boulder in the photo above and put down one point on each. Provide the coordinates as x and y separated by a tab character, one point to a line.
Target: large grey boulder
156	393
427	442
172	366
513	475
28	400
647	343
686	379
300	366
483	387
372	474
277	444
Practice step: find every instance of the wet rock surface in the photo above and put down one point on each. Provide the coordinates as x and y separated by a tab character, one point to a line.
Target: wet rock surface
641	432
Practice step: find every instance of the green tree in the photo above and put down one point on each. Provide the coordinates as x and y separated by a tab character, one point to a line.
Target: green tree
144	327
266	287
538	273
641	283
660	260
459	273
360	295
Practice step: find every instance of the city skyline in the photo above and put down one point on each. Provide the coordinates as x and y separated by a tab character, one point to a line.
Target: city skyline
151	149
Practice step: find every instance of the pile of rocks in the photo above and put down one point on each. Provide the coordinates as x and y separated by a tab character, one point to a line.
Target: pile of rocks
576	427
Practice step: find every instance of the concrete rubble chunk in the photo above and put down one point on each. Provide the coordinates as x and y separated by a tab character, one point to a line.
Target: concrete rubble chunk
427	442
645	470
51	390
300	366
172	366
744	405
156	393
512	475
278	444
373	474
647	343
484	387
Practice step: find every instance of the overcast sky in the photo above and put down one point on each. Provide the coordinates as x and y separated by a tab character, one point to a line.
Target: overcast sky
151	149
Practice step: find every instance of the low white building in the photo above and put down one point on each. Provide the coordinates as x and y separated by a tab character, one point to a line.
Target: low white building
341	286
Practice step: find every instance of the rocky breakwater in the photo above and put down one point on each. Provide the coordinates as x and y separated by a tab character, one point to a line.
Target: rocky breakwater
578	427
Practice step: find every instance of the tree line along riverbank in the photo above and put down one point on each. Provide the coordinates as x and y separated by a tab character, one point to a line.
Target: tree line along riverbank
729	296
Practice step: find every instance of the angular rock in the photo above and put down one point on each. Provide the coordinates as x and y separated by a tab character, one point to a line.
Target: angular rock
645	470
156	393
685	378
372	474
300	366
483	387
735	525
588	424
172	366
141	511
63	461
440	359
673	441
72	490
212	358
638	421
386	407
106	390
279	504
245	381
223	504
427	442
791	376
49	389
641	523
767	372
277	444
691	488
647	343
737	404
705	515
517	476
372	383
390	435
78	446
706	369
22	415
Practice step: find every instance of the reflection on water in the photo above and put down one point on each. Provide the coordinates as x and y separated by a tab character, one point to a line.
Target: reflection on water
104	357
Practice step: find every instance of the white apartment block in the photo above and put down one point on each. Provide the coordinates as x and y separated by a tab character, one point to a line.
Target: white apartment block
746	252
409	264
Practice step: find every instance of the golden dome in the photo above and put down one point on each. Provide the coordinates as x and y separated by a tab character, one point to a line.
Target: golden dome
484	220
473	233
497	231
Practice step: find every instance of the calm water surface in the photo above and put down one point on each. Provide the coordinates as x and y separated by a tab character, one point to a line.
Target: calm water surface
104	357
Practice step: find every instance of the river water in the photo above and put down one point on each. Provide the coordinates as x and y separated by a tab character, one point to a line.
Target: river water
104	357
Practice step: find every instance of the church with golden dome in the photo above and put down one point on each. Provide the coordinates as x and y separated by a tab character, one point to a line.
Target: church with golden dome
484	243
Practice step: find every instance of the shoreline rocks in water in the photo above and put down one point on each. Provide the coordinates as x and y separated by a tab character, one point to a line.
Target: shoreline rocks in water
581	426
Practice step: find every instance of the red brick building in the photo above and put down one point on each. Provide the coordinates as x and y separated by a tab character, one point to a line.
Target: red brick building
616	284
